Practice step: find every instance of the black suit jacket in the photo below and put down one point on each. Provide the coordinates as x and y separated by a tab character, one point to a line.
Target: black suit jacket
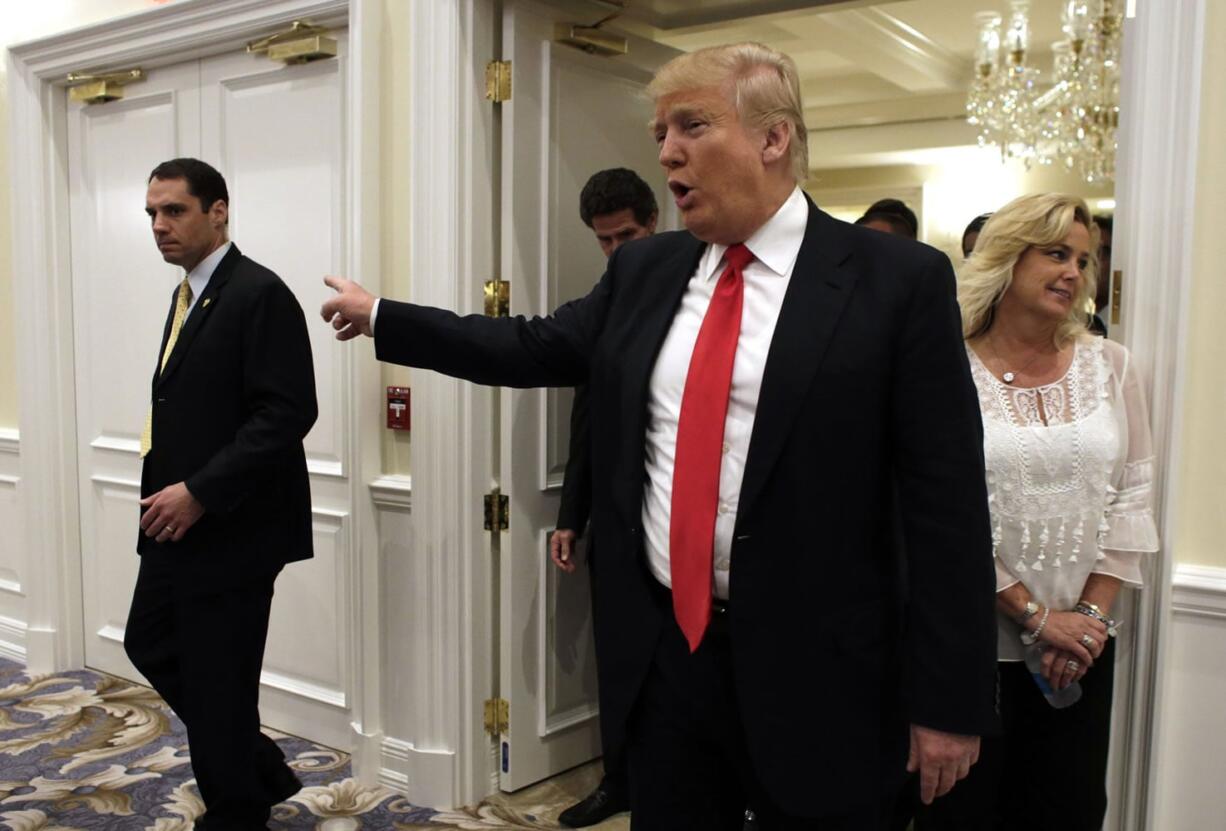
867	417
230	411
576	502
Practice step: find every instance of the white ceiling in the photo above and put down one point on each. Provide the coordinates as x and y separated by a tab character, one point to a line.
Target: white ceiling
862	63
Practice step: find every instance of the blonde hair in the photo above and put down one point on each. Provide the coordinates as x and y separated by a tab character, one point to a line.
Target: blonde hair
765	89
1038	219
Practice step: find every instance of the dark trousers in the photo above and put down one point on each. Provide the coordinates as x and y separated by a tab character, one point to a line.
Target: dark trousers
200	642
1047	769
689	765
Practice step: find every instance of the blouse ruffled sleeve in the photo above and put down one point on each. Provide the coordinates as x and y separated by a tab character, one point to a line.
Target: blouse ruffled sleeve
1128	524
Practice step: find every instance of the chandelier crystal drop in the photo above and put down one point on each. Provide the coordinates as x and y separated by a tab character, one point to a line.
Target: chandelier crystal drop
1073	121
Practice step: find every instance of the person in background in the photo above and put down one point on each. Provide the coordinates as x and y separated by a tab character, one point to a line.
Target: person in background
1069	472
619	207
971	234
1102	296
891	216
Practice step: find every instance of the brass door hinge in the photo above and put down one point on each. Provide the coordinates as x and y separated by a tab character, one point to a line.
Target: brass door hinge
98	89
497	298
497	716
498	81
497	511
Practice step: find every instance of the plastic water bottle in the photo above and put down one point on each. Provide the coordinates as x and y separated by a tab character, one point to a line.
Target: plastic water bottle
1056	698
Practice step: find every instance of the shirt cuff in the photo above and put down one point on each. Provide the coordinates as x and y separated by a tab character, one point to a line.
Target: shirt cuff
374	312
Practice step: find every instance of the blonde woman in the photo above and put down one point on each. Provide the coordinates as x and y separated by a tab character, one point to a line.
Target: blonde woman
1069	469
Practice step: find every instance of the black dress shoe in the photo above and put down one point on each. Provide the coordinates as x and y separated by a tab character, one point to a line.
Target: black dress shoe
598	806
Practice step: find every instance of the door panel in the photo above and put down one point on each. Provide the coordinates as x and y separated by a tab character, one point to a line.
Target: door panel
277	133
121	295
570	115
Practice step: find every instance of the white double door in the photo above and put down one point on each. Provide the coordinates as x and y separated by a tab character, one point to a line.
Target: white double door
571	114
276	134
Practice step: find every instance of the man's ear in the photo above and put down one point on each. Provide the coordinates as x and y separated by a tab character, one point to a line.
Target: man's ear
651	222
219	213
777	139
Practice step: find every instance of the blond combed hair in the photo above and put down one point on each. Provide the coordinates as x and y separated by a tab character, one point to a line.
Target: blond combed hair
1038	219
764	86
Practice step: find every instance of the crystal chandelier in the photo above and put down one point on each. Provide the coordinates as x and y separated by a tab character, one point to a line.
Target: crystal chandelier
1073	122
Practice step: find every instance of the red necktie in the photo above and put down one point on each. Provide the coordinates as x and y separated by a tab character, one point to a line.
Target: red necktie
700	439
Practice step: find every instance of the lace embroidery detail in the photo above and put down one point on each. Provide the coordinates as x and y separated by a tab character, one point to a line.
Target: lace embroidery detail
1047	480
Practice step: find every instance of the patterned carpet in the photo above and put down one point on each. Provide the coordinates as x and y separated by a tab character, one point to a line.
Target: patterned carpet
82	750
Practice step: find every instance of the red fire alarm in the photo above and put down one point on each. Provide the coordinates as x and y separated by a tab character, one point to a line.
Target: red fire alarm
398	408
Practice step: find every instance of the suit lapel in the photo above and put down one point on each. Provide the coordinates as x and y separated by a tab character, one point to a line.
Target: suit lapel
660	294
817	293
200	313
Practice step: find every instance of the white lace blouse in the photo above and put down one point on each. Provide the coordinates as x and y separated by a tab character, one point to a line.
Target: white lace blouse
1071	497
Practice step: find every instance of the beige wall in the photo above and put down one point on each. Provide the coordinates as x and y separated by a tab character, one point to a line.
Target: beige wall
394	106
1200	529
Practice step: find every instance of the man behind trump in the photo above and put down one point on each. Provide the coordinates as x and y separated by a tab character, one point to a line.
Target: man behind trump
777	399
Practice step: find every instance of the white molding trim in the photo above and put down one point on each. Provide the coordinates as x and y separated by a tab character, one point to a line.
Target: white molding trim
1156	193
304	689
10	441
406	768
119	445
1199	591
13	639
392	492
160	36
451	253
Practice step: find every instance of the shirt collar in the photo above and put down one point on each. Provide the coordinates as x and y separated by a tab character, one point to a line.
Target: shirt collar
199	276
776	244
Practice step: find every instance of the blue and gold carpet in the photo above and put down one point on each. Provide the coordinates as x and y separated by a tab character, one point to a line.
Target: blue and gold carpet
82	750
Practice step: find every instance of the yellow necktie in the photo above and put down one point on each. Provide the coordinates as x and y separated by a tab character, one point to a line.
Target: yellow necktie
182	301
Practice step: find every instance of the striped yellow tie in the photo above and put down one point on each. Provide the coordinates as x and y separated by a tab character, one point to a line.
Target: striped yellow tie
182	301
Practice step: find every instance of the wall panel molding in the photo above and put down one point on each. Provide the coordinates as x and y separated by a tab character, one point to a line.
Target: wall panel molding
1199	591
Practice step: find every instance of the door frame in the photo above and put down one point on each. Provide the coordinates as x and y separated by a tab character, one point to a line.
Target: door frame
1155	222
177	32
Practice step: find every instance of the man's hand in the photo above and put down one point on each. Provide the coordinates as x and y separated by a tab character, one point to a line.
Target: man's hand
349	311
562	549
941	759
169	513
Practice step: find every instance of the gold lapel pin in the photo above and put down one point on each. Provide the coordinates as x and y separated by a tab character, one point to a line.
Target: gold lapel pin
207	301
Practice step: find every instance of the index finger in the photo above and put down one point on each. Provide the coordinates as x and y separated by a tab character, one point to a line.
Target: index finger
929	778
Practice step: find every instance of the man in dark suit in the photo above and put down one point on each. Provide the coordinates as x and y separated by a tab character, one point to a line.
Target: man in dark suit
773	393
619	207
225	496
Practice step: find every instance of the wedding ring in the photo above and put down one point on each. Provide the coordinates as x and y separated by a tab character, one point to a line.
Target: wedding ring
1087	641
1072	666
168	530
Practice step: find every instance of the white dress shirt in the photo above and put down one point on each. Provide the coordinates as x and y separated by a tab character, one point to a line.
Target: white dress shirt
198	278
775	247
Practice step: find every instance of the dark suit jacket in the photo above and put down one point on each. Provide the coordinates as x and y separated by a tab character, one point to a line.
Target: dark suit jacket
867	417
230	411
576	504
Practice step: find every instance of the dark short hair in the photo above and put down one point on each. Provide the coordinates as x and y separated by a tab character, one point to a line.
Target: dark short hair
974	227
203	180
613	190
894	212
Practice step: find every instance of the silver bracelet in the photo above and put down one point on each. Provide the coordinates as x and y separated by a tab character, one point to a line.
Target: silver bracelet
1031	638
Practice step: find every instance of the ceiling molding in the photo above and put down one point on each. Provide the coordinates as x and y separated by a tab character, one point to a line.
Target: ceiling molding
942	106
882	44
664	16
